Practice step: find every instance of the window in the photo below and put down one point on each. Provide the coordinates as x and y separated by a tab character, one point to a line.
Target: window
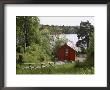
66	51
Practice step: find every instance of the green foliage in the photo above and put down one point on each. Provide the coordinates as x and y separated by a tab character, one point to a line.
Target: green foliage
27	30
19	49
84	33
20	59
58	42
89	62
58	69
35	54
90	51
32	43
79	64
55	29
45	42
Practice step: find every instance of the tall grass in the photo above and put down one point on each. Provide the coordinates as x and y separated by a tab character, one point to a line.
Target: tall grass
69	68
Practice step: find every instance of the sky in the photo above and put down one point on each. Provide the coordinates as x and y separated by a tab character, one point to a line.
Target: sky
65	20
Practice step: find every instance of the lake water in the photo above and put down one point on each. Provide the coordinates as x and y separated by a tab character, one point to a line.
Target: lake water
72	40
71	37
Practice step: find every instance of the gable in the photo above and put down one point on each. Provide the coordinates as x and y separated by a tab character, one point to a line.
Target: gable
65	46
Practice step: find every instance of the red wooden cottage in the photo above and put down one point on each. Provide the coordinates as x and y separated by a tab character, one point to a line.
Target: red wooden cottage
65	52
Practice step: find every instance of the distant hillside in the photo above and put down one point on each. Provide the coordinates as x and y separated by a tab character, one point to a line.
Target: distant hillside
55	29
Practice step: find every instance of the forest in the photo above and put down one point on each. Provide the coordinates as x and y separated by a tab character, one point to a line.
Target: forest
55	29
35	54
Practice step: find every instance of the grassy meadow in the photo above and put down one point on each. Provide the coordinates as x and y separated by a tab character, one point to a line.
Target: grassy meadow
68	68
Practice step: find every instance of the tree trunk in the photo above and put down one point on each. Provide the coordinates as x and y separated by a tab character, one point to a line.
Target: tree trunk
87	41
25	33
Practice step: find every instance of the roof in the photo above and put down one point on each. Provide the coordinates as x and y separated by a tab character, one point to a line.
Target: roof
72	45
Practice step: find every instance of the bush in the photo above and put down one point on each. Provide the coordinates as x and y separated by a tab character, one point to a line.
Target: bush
90	51
35	54
86	63
20	59
89	62
19	49
79	64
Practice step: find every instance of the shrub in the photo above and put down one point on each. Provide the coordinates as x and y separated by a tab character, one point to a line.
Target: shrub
19	49
20	59
79	64
35	54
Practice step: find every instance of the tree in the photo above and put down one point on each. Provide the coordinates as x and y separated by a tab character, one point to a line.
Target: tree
45	41
84	33
90	52
55	29
35	41
20	31
58	42
27	30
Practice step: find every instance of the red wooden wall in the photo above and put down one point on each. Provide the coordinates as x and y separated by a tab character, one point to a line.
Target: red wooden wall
66	53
